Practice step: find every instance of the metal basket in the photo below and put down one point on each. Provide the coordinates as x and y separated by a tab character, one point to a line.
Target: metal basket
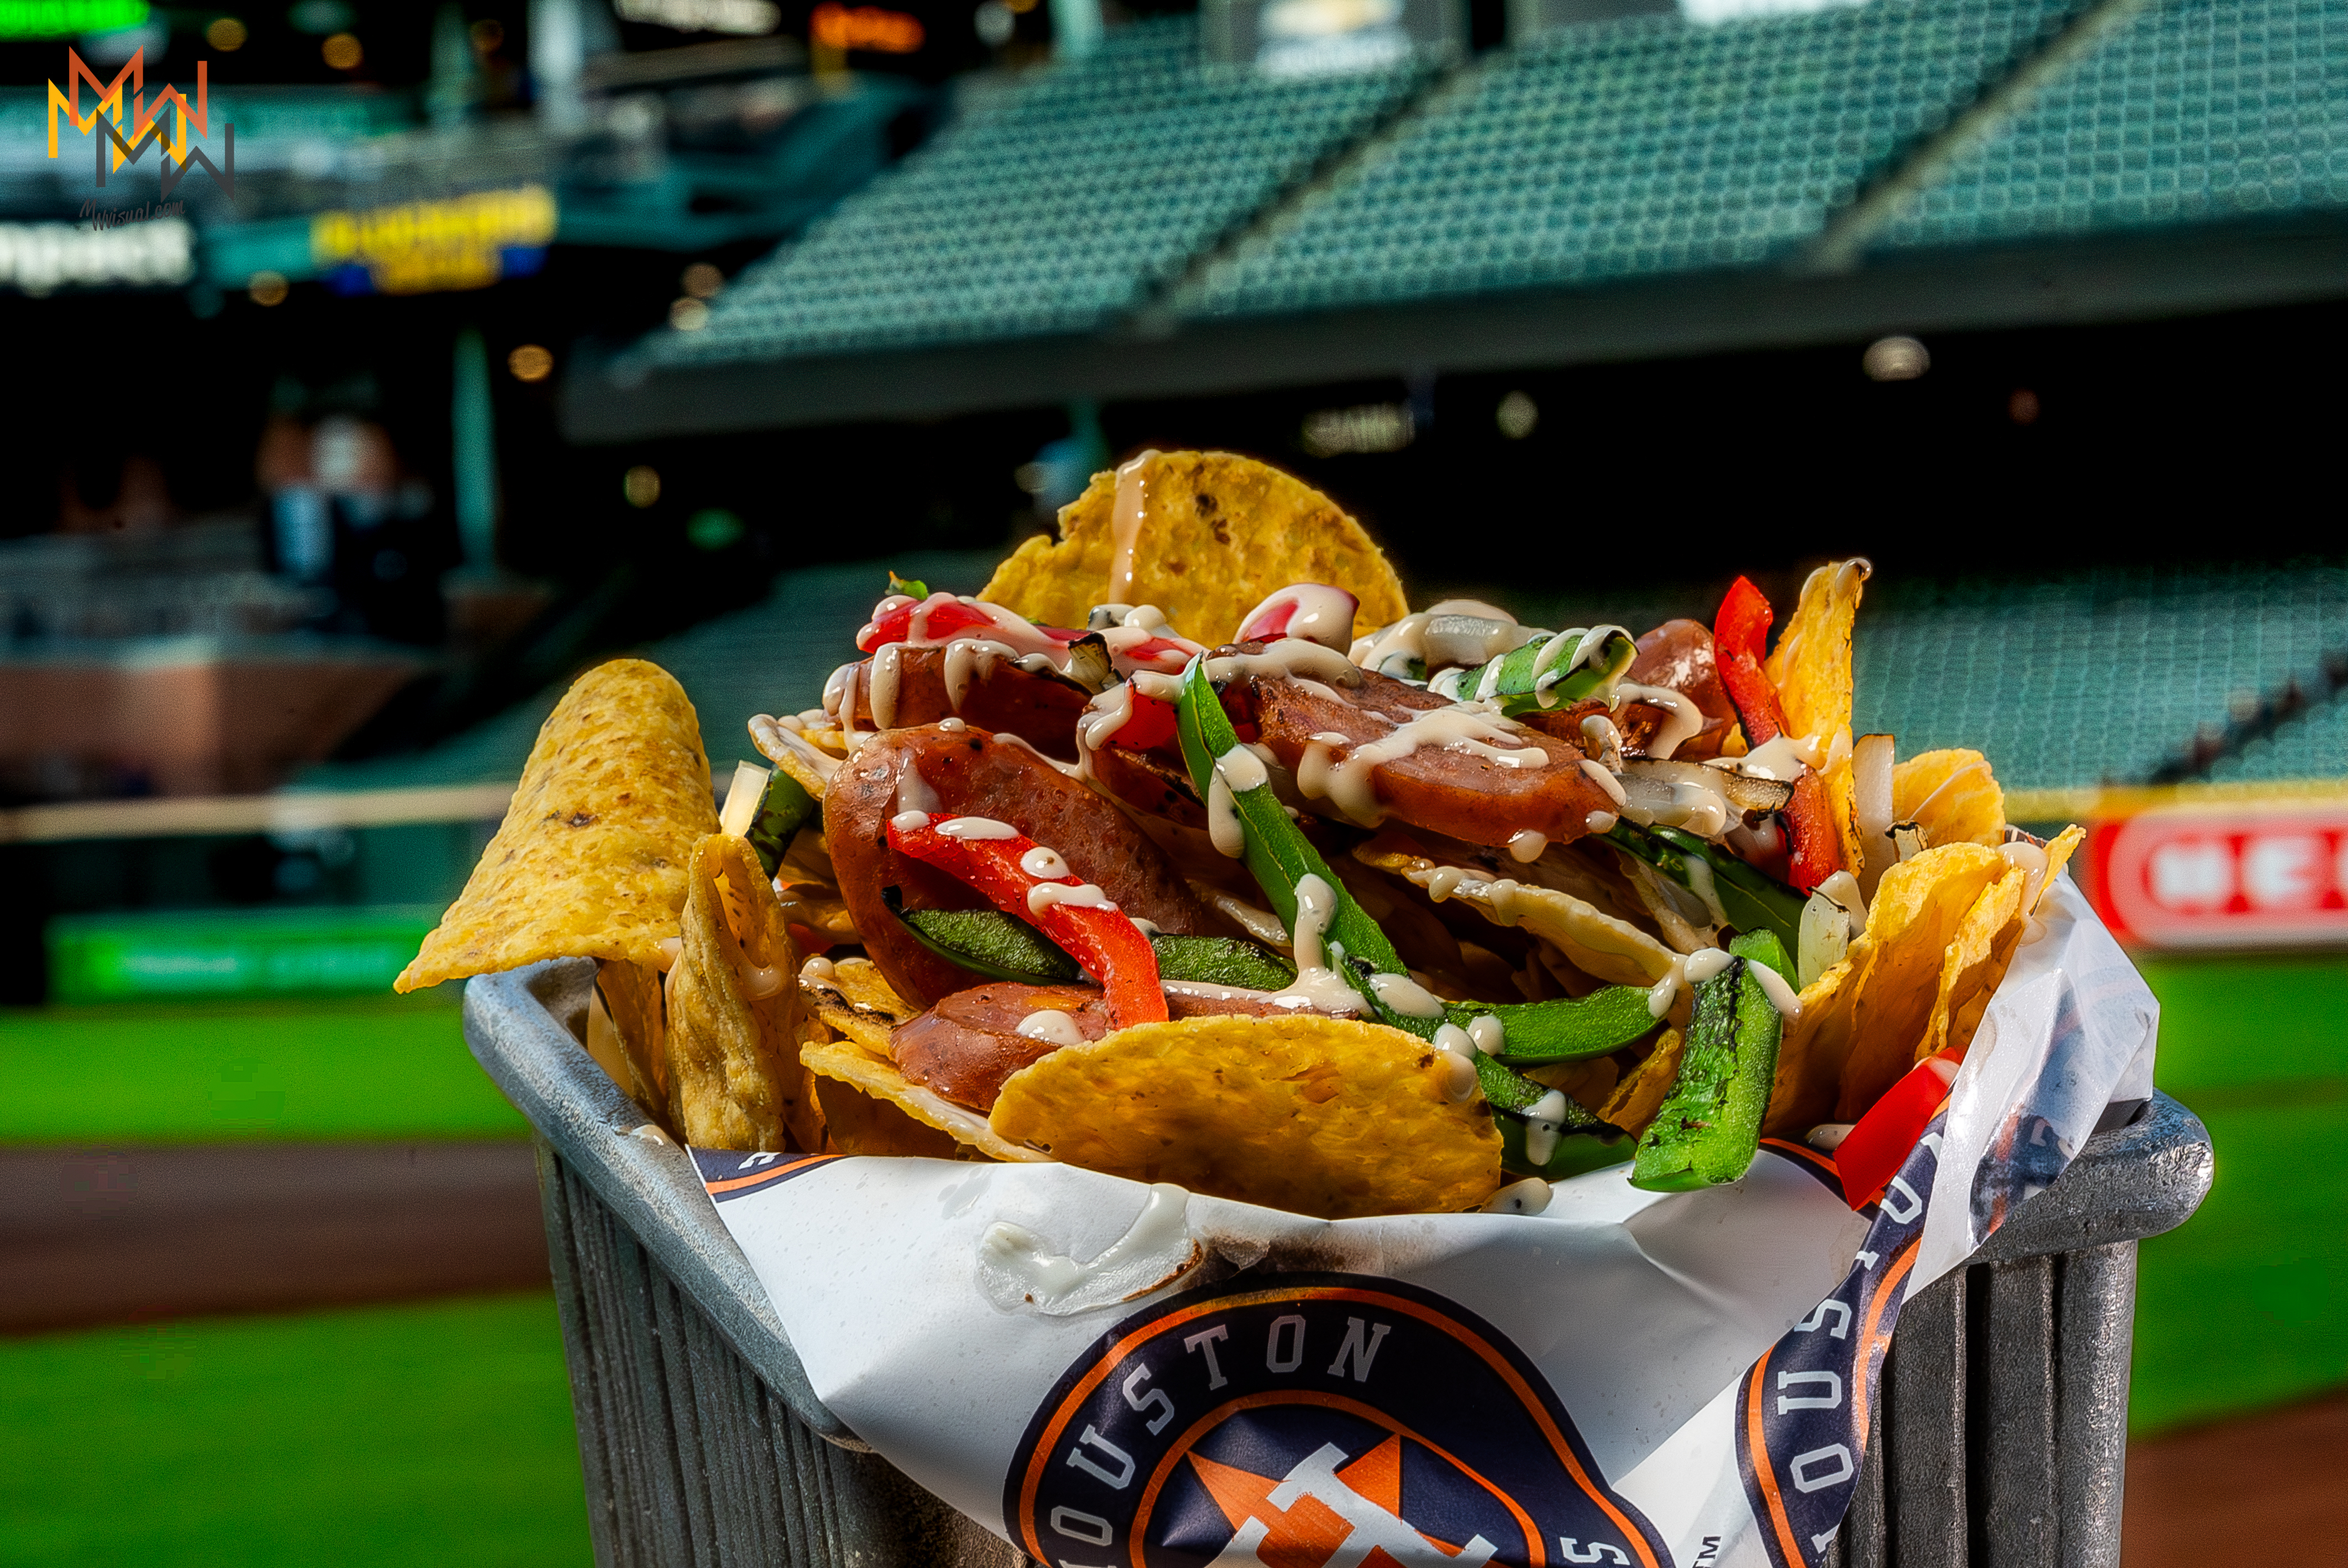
2003	1444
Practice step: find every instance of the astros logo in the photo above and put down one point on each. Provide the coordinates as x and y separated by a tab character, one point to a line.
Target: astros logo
1318	1421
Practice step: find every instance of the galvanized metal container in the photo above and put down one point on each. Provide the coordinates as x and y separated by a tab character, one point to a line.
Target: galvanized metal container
2003	1441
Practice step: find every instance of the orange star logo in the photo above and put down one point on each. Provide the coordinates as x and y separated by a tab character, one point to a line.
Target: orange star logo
1320	1515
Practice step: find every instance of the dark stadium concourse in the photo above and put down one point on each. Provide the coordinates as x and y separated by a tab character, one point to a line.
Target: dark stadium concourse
2046	447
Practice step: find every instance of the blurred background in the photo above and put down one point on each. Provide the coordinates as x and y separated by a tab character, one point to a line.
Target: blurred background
487	339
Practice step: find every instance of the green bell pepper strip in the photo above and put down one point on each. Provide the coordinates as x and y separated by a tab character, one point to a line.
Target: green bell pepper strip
988	942
1584	1141
1752	899
783	810
1709	1127
1279	857
1576	1030
1513	684
1278	854
991	943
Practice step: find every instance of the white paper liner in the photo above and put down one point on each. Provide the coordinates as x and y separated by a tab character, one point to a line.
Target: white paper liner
1627	1377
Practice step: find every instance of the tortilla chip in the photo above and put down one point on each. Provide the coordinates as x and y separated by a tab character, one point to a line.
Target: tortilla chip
2059	850
809	765
1638	1097
1971	966
845	1063
591	861
631	994
1965	1019
1810	666
857	1002
734	1011
1918	909
1812	1050
1596	943
1221	534
1842	805
1951	796
860	1123
604	1044
1316	1115
1588	1084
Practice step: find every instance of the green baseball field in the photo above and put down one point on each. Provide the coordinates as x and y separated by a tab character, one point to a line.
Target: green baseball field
441	1432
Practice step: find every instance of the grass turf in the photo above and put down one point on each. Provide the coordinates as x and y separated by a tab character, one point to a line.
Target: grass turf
389	1436
388	1067
2240	1307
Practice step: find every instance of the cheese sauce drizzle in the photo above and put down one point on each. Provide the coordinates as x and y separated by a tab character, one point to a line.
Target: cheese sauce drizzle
1126	522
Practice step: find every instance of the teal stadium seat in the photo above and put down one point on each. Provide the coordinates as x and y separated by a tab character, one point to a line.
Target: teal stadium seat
2102	677
1057	208
2193	112
1630	149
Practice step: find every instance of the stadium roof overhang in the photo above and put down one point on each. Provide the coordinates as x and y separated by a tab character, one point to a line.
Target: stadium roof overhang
2141	277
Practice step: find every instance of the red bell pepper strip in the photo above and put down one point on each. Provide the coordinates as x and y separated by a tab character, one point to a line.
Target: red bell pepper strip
1875	1148
1739	633
1813	851
943	616
1152	725
1100	936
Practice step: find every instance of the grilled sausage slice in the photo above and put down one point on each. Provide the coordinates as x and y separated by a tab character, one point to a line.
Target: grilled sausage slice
969	772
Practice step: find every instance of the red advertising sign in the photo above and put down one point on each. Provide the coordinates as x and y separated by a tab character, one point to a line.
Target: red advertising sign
2225	875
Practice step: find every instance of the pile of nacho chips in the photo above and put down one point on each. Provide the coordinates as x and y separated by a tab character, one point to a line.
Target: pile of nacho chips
736	1008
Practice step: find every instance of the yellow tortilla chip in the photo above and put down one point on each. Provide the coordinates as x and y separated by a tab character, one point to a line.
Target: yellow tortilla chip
808	764
1972	965
1597	943
604	1045
1842	805
1951	796
1918	909
1965	1019
845	1063
1588	1084
1219	534
857	1002
1812	1050
591	861
1638	1097
631	995
1810	666
1316	1115
2059	850
862	1123
733	1012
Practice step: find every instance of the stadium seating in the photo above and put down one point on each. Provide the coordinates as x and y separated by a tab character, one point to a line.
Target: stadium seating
1630	149
1067	202
1641	148
2102	677
2190	111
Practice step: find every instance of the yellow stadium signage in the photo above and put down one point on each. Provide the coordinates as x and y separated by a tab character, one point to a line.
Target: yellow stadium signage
421	247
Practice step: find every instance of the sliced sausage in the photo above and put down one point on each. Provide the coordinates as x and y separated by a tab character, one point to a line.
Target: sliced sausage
969	772
968	1045
1041	709
1445	789
1678	654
